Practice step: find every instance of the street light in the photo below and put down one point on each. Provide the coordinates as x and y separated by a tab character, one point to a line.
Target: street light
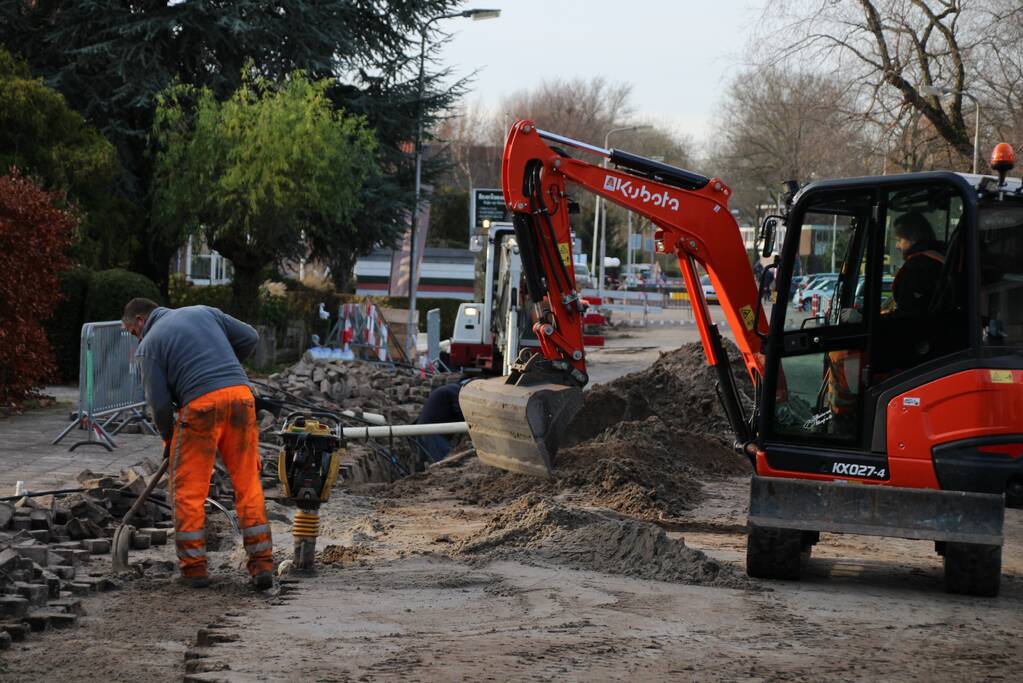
601	216
938	91
475	15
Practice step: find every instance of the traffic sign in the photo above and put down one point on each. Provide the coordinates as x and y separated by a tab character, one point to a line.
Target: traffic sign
485	205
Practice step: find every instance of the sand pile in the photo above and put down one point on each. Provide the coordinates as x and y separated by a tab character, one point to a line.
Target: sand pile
678	388
642	445
642	468
538	528
340	555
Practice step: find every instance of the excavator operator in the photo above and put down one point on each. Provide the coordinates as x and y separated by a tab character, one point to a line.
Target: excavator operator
917	279
191	359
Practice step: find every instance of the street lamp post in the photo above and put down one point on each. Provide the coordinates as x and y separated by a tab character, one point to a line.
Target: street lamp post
938	90
475	15
601	212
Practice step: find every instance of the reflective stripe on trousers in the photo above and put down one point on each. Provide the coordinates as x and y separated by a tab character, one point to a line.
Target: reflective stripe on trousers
190	543
257	539
223	420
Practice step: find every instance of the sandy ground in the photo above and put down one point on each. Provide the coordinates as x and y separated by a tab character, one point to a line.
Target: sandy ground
398	602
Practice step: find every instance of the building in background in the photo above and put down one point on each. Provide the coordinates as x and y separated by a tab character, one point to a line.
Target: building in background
201	265
444	274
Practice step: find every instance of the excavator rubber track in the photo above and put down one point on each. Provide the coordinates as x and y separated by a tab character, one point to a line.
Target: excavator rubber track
518	428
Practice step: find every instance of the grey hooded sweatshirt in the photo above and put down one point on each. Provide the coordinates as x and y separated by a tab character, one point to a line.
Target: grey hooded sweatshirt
188	352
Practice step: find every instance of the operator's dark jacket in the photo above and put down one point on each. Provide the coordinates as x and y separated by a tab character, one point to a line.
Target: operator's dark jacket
188	352
917	280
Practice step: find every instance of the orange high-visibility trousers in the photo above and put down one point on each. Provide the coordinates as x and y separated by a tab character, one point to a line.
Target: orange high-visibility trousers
224	420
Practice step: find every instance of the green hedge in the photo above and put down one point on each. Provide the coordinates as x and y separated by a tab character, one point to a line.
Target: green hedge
110	290
64	329
91	297
102	296
183	293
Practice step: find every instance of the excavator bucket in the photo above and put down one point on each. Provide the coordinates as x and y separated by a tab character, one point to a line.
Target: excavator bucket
518	428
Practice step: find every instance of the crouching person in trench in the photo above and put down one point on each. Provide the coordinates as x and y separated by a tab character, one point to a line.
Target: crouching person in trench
191	360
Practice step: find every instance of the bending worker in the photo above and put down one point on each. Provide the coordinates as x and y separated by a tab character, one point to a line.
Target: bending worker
442	406
191	359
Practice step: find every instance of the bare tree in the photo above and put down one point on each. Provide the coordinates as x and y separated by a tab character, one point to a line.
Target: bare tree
582	109
1000	68
587	111
779	125
470	141
894	52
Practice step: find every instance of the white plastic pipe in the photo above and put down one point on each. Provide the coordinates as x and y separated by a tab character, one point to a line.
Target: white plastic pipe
373	418
405	430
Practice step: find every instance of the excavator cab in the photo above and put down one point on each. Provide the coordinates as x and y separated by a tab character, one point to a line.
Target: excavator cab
899	365
887	279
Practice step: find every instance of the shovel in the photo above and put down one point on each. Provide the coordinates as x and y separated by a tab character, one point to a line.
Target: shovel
121	544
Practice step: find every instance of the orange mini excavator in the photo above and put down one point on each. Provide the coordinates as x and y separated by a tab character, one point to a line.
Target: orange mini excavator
894	407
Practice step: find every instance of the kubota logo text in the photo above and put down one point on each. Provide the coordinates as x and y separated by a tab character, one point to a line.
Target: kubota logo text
640	192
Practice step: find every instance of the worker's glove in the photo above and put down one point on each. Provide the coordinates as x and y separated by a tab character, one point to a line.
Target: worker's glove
166	448
850	316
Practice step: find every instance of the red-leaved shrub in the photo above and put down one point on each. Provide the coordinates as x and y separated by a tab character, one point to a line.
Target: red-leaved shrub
34	236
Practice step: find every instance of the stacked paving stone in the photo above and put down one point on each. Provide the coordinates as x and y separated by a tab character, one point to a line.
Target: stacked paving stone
356	385
46	544
394	392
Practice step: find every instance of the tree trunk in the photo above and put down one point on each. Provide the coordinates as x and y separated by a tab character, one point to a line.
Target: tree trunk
245	293
341	270
153	262
248	266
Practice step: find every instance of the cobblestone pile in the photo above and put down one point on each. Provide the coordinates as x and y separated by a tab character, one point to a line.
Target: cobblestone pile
47	543
397	393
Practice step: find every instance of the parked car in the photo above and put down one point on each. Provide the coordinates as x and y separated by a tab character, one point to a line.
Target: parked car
708	290
822	285
855	315
583	279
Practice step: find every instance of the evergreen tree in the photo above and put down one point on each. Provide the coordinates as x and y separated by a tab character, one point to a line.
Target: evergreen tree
259	174
49	142
110	59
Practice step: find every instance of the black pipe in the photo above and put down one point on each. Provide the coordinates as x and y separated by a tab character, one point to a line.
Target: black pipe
659	171
728	391
34	494
531	267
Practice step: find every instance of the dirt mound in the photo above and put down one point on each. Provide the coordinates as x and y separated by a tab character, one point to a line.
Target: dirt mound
678	388
538	528
639	468
341	555
641	445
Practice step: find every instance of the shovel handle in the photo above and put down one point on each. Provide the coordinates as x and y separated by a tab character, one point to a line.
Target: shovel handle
149	489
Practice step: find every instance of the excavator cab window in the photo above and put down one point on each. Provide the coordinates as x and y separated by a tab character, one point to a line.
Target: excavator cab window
1001	272
825	339
884	291
923	313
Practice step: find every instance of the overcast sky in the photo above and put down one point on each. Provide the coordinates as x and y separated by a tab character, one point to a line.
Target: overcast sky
677	54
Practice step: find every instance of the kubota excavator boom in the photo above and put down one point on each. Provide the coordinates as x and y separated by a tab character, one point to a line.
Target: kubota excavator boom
516	423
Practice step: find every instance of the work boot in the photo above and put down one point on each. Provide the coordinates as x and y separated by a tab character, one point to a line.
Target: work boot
201	581
263	581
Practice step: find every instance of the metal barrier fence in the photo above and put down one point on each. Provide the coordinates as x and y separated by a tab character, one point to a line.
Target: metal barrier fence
640	308
433	337
110	392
